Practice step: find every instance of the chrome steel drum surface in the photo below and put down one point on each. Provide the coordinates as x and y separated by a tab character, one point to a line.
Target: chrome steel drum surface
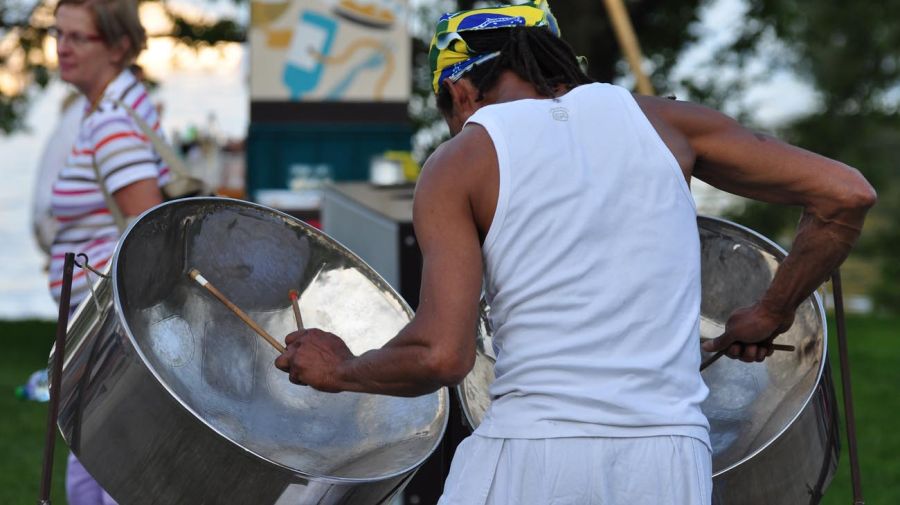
772	424
169	398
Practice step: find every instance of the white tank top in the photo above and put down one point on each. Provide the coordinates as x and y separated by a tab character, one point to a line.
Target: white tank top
592	270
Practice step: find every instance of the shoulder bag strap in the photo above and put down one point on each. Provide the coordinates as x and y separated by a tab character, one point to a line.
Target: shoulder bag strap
163	149
111	204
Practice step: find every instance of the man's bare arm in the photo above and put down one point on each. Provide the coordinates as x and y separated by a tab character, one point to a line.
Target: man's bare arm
437	348
834	197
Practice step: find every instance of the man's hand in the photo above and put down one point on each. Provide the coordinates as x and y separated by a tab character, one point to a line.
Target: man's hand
749	333
313	358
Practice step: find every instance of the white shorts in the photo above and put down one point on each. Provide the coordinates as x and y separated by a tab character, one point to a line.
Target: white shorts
668	470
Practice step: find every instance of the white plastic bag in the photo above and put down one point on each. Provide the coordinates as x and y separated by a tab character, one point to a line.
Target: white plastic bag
56	149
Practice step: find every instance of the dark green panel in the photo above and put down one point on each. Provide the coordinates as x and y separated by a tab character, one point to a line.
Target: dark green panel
276	152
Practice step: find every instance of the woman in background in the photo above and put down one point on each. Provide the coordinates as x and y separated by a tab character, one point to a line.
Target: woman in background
111	160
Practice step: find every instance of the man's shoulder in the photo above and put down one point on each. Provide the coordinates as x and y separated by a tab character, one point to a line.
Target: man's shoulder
472	145
461	161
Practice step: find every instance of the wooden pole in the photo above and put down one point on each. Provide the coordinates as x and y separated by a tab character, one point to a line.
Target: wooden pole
629	42
59	355
849	415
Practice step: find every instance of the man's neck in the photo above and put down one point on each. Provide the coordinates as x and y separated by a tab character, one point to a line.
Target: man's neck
510	87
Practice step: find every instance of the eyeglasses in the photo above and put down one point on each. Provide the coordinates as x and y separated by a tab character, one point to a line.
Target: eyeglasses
77	39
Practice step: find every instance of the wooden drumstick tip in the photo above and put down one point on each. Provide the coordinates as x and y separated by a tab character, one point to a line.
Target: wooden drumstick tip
197	276
295	304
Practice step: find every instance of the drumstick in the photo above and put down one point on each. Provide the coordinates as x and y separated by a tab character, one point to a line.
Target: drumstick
716	356
295	303
711	360
777	347
197	276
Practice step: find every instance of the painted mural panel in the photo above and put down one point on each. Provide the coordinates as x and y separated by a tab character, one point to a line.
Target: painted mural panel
329	50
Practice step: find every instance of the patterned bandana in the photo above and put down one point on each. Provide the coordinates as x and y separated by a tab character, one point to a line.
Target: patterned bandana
450	57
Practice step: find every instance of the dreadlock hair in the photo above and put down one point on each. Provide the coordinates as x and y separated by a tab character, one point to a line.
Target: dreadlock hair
533	53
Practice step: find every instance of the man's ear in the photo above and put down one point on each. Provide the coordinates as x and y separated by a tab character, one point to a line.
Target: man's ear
464	96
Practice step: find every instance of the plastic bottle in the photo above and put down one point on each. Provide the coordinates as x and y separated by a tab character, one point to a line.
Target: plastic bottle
36	389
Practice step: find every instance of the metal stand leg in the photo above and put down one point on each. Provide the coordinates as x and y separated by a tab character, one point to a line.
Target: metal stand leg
845	385
56	378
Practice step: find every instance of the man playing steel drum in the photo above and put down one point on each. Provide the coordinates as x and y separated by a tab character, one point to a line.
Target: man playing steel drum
569	202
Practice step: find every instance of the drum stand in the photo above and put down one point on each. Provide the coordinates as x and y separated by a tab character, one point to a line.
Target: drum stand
845	386
59	354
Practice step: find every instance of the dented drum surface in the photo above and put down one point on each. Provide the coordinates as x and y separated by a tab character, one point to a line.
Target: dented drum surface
169	398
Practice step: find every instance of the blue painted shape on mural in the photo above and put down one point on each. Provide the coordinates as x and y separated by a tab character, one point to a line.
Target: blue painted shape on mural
302	69
373	62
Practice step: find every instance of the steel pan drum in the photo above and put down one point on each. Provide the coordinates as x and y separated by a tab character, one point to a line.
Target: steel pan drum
167	397
773	425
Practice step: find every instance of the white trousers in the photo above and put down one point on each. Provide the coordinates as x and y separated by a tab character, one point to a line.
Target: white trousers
668	470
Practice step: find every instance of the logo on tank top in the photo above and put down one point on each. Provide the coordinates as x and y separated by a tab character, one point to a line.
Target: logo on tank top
560	113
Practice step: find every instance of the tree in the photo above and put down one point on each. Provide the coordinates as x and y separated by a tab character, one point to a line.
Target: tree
850	54
23	65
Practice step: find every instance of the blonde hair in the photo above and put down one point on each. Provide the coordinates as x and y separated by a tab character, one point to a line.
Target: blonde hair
116	19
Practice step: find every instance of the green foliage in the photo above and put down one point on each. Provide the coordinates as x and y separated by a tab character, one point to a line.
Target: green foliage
850	51
12	112
773	221
886	247
192	34
850	54
22	58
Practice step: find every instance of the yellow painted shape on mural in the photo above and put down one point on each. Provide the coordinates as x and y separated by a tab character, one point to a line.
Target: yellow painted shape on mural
279	39
365	13
262	14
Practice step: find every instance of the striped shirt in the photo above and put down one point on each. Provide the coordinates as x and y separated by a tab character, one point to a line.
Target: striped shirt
109	136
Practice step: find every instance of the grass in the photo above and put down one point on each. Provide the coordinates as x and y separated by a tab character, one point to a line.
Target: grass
26	346
874	358
874	345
